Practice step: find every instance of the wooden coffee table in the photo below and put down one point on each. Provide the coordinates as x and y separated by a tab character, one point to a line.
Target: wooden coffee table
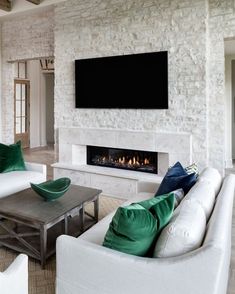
33	216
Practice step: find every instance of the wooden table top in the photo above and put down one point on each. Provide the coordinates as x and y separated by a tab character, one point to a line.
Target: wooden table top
29	206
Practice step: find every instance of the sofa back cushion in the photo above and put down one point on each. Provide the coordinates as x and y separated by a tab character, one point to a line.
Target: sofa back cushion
212	176
185	231
204	193
134	228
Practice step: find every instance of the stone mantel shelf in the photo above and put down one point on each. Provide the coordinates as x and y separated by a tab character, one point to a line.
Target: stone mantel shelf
114	172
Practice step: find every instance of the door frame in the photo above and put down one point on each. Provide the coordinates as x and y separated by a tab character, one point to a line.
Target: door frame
24	137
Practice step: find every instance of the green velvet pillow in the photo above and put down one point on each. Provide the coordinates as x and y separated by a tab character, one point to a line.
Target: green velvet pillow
135	227
11	158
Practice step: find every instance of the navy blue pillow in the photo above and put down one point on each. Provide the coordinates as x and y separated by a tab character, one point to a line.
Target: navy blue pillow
176	178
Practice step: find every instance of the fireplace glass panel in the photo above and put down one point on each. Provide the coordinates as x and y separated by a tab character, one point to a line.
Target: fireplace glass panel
144	161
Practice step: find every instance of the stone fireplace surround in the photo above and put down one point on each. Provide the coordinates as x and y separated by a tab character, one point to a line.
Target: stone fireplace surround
171	147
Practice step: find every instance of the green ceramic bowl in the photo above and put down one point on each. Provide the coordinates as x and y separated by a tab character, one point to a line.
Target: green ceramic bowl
51	190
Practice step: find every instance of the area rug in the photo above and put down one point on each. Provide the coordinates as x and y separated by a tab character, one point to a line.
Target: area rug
43	281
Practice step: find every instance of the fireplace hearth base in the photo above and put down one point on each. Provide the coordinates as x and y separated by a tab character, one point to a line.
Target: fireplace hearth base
118	183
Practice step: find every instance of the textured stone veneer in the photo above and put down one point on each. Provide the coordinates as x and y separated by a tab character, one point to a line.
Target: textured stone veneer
24	37
87	29
192	31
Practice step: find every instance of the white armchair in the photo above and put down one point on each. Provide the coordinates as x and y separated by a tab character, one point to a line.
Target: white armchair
14	280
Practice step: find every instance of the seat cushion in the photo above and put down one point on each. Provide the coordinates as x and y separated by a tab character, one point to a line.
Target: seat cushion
185	231
134	228
16	181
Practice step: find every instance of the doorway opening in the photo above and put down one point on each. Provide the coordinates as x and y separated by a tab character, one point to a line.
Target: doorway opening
229	46
34	102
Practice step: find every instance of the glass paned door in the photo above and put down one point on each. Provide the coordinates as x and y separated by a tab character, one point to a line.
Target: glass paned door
22	112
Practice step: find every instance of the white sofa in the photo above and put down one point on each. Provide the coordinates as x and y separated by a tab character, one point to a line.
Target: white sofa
84	266
15	181
14	280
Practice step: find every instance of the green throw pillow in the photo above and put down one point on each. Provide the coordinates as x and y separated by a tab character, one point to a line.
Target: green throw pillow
11	158
135	227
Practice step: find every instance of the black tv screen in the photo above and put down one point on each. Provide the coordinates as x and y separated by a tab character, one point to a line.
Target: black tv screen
125	81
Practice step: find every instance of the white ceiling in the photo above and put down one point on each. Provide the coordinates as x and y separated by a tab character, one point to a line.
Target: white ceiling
23	6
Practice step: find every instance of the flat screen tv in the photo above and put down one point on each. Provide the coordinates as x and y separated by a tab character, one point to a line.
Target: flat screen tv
138	81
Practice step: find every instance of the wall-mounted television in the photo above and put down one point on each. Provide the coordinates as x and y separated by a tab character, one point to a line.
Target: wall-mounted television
138	81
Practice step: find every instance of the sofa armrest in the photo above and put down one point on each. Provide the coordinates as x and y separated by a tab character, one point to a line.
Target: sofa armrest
14	280
150	187
87	268
37	167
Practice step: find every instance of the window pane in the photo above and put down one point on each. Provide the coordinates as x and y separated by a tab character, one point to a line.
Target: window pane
23	108
18	108
18	91
18	128
23	92
23	124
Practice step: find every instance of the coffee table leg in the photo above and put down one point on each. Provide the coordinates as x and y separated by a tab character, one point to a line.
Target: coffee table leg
96	209
81	215
66	225
43	241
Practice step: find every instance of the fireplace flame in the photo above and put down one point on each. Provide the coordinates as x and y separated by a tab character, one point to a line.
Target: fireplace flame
146	161
136	160
125	161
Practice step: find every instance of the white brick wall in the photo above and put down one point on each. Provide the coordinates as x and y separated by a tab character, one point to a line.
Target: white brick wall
22	38
221	26
84	29
192	31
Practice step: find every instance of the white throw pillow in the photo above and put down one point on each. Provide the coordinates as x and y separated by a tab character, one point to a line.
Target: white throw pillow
213	176
185	231
204	193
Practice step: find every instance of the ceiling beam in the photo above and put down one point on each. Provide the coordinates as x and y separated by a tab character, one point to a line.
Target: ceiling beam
5	5
35	1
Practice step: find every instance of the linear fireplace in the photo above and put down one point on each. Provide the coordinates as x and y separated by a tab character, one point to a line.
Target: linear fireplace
137	160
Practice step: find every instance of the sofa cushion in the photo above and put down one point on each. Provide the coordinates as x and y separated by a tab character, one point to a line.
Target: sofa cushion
204	193
11	158
185	231
213	176
175	178
16	181
134	228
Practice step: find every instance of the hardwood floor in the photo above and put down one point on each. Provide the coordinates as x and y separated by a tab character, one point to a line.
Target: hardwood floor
47	156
